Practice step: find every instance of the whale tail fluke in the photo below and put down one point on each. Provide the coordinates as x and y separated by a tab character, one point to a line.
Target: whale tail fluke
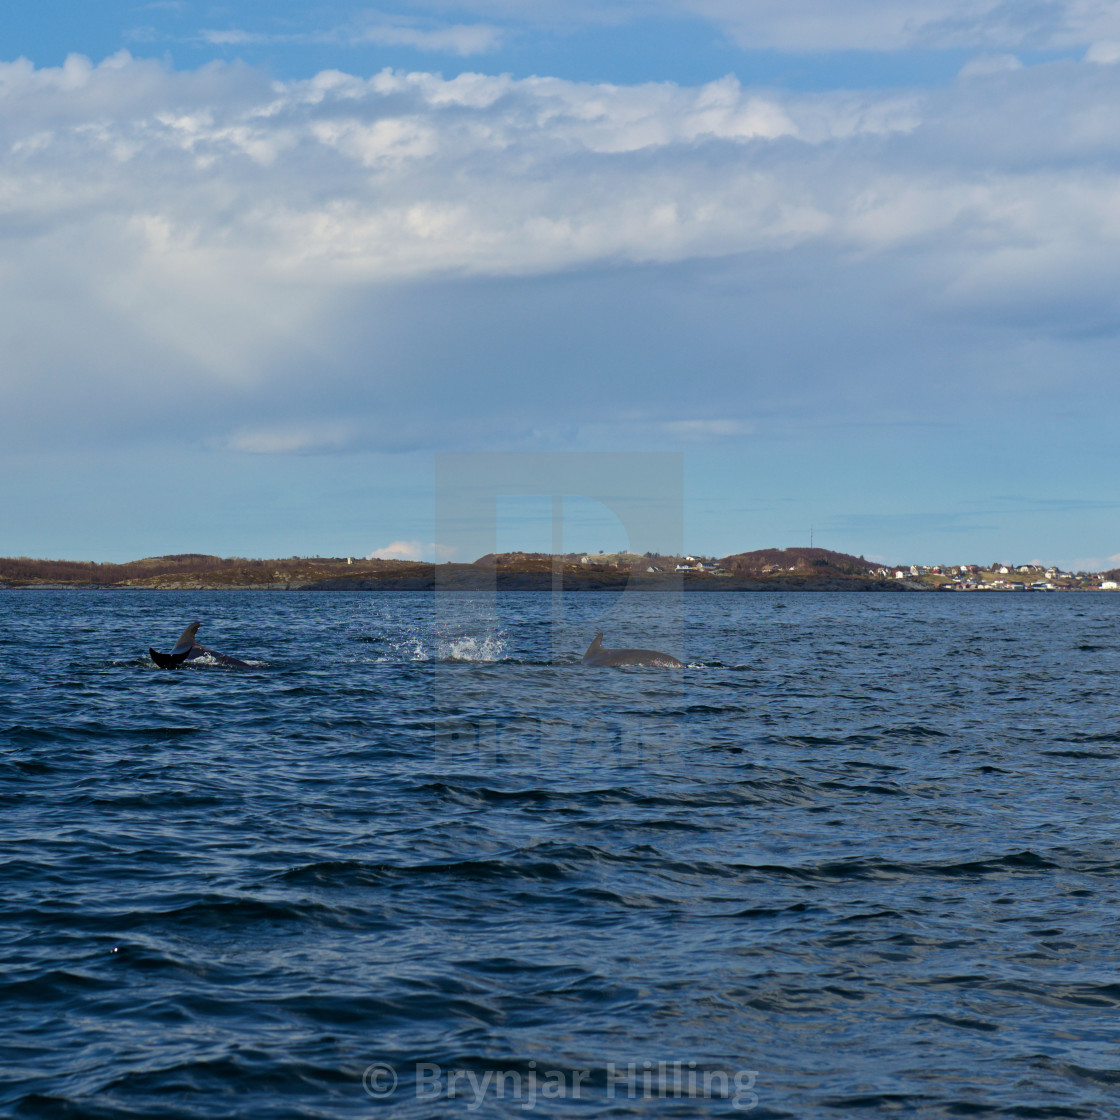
187	649
167	661
186	640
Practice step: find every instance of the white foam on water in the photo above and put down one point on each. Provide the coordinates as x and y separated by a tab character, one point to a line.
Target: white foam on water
490	647
406	637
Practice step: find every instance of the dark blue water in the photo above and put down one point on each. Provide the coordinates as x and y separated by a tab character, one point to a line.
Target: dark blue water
859	859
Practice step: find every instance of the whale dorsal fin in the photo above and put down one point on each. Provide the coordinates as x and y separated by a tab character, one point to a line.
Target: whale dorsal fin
186	639
595	646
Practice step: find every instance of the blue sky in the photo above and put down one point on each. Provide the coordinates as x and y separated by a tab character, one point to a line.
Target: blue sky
856	262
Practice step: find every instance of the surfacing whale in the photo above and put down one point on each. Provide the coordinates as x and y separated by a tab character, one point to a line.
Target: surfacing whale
187	649
597	656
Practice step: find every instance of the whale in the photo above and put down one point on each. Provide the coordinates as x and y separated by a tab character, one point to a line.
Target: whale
598	657
187	649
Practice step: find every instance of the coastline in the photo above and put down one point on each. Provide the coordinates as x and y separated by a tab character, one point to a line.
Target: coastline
480	581
793	569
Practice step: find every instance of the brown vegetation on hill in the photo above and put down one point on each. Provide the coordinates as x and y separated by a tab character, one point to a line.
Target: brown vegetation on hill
526	561
806	561
814	569
189	569
25	570
545	562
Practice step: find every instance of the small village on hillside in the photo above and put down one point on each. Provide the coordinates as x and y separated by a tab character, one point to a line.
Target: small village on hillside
941	577
1004	577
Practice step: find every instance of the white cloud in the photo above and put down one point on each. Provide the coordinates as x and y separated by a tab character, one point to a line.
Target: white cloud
988	64
1094	563
232	37
816	25
456	39
292	438
1105	52
840	25
343	180
708	429
247	261
413	550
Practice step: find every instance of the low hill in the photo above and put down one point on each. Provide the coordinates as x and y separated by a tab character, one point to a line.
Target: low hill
528	561
807	561
193	570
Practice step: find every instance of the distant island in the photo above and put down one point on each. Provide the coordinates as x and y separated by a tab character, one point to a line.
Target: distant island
769	569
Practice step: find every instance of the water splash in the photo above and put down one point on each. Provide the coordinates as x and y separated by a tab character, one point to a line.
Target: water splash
405	648
489	647
485	648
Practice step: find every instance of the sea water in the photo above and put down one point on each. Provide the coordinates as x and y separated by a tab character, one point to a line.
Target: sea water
858	858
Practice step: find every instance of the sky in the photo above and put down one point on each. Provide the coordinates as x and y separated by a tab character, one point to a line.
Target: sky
855	262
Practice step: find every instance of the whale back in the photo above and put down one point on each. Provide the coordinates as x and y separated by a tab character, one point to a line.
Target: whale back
596	655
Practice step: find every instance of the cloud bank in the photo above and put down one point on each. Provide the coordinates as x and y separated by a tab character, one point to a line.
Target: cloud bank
407	261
